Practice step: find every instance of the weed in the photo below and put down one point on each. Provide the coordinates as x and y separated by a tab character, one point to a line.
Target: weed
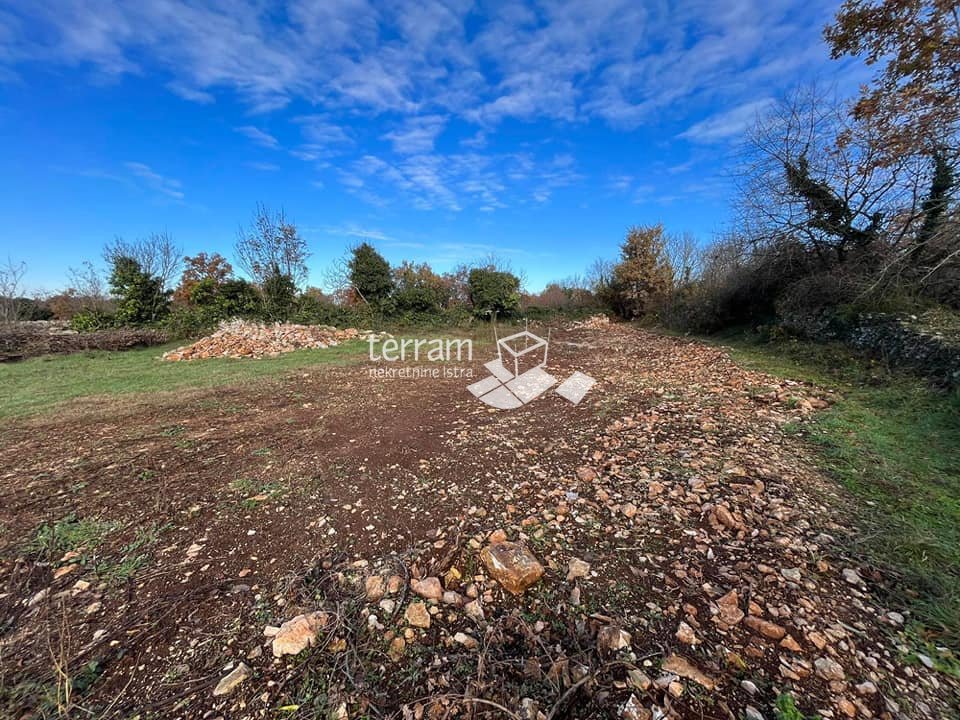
786	709
69	534
256	491
133	556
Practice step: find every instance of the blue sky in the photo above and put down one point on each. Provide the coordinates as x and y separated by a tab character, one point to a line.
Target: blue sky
440	131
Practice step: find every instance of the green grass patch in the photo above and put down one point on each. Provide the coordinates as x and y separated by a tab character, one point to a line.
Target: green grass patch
894	442
786	709
71	534
133	556
254	492
40	384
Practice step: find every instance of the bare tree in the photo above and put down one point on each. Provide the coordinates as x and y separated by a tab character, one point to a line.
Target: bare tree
157	255
271	244
684	256
811	172
498	263
11	285
337	275
88	286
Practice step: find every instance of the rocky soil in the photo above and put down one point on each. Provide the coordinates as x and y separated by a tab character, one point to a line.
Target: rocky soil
336	545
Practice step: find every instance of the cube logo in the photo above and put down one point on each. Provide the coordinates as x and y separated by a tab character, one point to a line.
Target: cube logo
518	374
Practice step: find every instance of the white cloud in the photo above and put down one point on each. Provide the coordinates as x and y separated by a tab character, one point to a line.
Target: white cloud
417	134
155	181
478	141
727	124
355	230
617	60
259	136
408	71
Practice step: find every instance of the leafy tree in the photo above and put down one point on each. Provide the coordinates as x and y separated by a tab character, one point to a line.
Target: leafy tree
493	291
279	295
914	101
370	275
157	256
237	298
200	268
419	289
271	242
140	296
643	276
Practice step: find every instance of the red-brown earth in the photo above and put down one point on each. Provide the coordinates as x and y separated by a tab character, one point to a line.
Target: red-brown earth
712	540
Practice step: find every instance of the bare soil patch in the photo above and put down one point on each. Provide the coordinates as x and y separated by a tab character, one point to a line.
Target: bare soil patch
696	564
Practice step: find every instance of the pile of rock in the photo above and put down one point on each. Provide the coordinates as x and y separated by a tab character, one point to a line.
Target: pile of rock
245	339
594	322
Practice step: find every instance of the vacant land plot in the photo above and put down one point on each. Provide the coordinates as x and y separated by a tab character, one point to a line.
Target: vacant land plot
293	537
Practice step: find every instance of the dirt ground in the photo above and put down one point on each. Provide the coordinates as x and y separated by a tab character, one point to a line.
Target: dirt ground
150	543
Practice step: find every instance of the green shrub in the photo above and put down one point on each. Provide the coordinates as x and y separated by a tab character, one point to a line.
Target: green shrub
191	322
141	297
493	291
279	296
91	320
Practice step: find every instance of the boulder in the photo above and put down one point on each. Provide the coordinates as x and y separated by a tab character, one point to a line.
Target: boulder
429	588
299	633
512	565
684	668
417	615
231	680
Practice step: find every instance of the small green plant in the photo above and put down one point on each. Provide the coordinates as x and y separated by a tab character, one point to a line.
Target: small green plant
69	534
254	491
133	556
786	708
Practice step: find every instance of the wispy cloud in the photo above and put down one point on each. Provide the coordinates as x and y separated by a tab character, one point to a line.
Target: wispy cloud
615	60
263	166
728	124
155	181
259	136
354	230
417	134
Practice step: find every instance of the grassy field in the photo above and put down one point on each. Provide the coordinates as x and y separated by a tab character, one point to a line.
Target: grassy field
39	384
894	442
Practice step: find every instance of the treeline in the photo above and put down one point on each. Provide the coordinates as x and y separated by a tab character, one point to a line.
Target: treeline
149	283
843	207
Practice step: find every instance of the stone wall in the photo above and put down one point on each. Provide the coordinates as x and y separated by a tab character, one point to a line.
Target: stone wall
928	345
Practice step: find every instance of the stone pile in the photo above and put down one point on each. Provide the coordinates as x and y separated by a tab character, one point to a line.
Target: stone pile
594	322
245	339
